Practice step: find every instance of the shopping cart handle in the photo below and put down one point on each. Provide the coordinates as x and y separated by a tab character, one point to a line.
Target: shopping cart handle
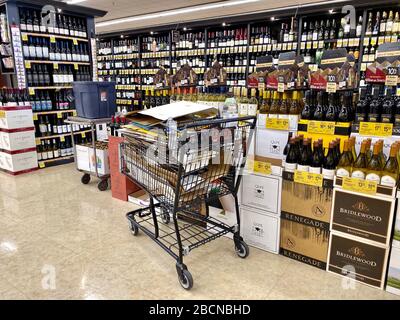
219	121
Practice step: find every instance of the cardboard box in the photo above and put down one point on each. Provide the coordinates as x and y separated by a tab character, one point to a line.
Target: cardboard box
102	161
393	277
259	229
262	192
13	141
18	162
304	239
101	132
16	118
82	157
307	201
396	233
270	144
363	261
369	217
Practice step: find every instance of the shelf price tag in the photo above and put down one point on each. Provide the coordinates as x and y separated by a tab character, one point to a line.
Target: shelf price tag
55	66
358	185
376	129
62	138
24	37
331	86
27	64
52	39
366	42
262	167
321	127
59	115
373	41
37	140
308	178
35	116
75	42
83	134
31	91
41	165
76	66
277	124
2	114
391	78
339	43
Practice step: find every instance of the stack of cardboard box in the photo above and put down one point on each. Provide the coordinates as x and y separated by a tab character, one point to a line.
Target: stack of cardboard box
393	276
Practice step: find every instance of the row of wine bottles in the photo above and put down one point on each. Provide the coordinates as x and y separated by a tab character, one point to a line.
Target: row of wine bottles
53	149
37	48
30	20
14	97
44	75
46	100
49	125
370	164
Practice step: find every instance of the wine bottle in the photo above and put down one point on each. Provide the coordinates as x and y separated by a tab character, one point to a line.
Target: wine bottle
319	110
390	173
345	162
292	157
360	165
317	159
374	167
304	160
329	165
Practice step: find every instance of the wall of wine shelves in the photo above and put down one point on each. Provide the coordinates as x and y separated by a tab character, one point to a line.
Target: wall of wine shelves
238	45
51	56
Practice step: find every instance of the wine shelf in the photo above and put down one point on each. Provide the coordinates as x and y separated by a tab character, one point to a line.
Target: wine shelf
54	112
62	135
51	88
58	62
56	161
56	36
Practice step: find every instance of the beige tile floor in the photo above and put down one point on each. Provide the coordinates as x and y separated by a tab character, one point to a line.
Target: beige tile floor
60	239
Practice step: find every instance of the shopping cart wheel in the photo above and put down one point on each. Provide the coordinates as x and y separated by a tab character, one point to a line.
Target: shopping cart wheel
85	178
134	229
103	185
165	217
185	278
242	249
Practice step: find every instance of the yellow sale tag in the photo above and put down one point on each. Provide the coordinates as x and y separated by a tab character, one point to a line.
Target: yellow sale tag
53	39
62	138
37	141
76	66
391	80
27	64
2	114
376	129
339	43
281	87
55	66
277	124
358	185
308	178
321	127
24	37
262	167
331	87
381	40
31	91
75	42
373	41
74	113
59	115
366	42
35	117
83	134
315	45
41	165
309	45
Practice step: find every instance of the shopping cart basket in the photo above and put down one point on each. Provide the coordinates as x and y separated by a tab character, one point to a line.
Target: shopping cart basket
201	162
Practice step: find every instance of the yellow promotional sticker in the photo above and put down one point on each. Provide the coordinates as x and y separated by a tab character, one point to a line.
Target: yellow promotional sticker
308	178
262	167
321	127
277	124
358	185
376	129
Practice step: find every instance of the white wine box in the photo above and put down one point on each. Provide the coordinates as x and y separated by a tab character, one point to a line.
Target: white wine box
396	233
369	217
360	260
260	230
393	278
82	157
16	118
262	192
18	162
17	140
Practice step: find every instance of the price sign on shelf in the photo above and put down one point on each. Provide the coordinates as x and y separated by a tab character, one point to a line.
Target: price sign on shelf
35	117
37	140
358	185
376	129
277	124
331	87
392	77
262	167
308	178
2	114
27	64
75	42
83	134
55	66
41	165
62	138
76	66
24	37
52	39
321	127
59	115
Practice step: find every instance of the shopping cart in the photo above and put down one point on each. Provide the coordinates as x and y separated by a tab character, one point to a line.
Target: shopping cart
182	177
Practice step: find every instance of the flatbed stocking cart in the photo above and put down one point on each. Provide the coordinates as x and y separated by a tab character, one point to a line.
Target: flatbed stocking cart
103	184
203	161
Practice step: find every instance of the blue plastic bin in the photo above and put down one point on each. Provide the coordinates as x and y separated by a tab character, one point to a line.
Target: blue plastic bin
94	100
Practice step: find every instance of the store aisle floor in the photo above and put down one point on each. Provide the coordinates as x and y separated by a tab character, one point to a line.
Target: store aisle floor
60	239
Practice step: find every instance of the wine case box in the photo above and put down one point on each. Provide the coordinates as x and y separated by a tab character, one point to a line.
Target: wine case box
387	142
82	157
369	217
307	201
18	162
14	141
86	160
360	260
259	229
393	277
262	192
16	119
396	232
304	239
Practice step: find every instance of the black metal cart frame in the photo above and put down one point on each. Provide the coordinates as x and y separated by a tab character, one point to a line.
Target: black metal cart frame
182	178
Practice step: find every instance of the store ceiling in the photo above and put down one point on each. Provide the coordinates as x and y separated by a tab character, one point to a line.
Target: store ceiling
127	8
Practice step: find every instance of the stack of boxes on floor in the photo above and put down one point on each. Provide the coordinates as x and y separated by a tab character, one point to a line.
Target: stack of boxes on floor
17	139
361	231
393	276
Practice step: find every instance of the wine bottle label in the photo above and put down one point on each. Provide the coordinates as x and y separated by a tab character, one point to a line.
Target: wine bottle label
42	128
63	56
49	154
388	181
328	173
23	26
39	156
252	110
56	153
55	129
45	51
303	168
386	118
42	28
51	29
26	51
383	27
373	177
44	155
243	109
342	172
64	128
39	52
36	28
32	52
29	27
290	167
358	174
58	56
52	56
